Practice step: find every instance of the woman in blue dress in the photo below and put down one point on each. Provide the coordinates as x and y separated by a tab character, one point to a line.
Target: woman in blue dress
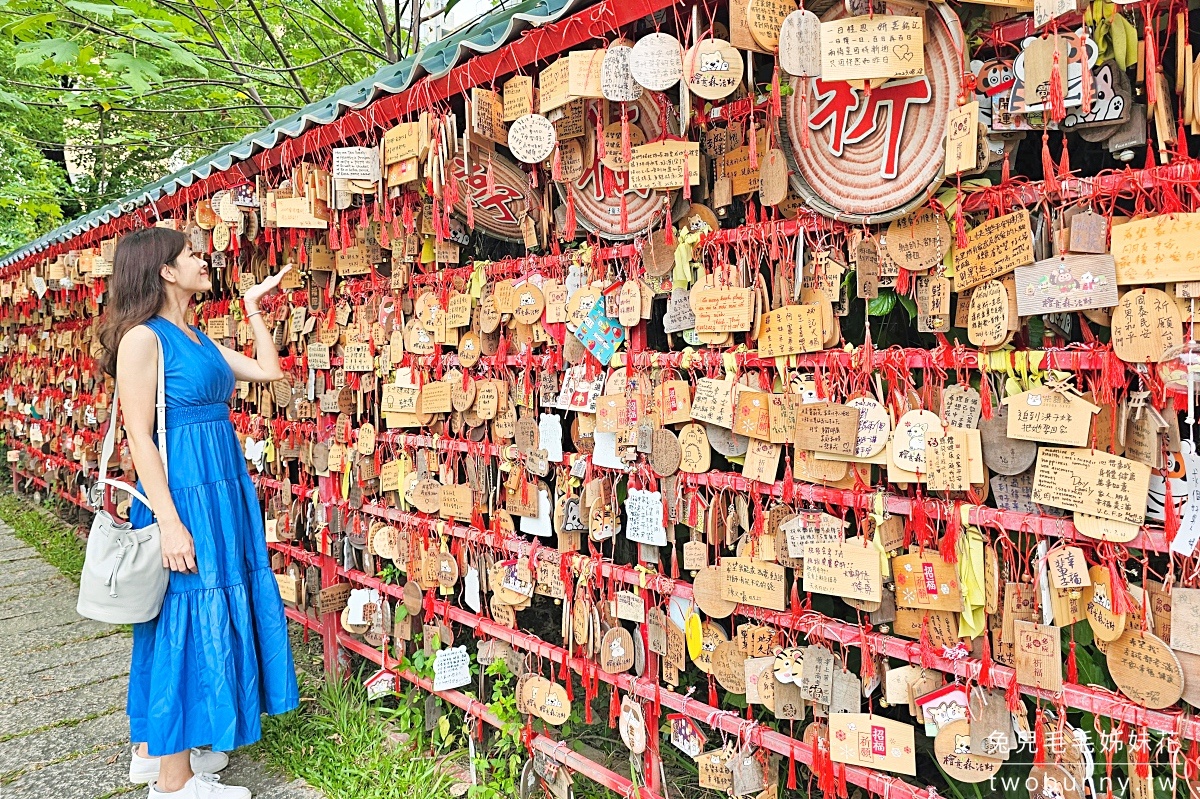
217	656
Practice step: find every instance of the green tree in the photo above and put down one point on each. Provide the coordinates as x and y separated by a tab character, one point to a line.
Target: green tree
118	93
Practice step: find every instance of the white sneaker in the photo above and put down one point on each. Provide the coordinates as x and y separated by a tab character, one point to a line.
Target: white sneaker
204	761
202	786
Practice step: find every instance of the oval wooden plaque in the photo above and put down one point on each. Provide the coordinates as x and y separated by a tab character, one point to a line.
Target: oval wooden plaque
496	213
597	199
855	178
1145	669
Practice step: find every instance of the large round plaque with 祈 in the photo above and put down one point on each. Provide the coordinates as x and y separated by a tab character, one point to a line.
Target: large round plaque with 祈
876	157
496	213
597	193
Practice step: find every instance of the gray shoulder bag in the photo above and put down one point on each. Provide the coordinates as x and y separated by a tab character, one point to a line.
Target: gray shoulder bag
124	580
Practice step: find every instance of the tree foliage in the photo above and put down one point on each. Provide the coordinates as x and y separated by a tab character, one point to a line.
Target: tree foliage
126	91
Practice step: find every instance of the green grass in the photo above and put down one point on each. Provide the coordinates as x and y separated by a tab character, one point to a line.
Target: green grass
337	742
54	540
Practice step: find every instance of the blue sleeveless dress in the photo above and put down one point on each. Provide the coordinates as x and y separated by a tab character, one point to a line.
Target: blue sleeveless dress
218	655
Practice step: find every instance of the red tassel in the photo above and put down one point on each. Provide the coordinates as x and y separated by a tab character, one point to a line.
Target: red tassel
985	678
753	146
776	103
1151	65
960	223
1072	665
1006	170
1012	696
789	481
490	183
1058	110
712	691
791	779
1170	514
589	693
556	164
823	765
1049	173
669	231
985	396
926	645
1039	739
687	181
624	214
1086	88
614	710
569	220
803	113
949	544
1142	755
1064	162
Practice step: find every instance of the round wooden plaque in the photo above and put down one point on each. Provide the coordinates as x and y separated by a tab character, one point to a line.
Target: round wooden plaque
553	706
987	317
874	426
665	453
713	636
912	431
1001	454
713	69
918	241
764	18
952	748
597	200
727	442
616	651
696	455
656	61
707	590
531	138
657	256
877	177
496	213
529	304
728	665
570	160
1145	669
632	725
800	44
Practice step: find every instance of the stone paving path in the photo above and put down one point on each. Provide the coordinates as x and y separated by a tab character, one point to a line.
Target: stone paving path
63	730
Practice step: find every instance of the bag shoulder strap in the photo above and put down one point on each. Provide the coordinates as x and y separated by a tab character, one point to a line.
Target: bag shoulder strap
110	437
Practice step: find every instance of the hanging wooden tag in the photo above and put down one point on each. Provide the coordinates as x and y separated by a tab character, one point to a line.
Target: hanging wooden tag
1038	655
873	741
800	44
1055	417
1145	326
1145	669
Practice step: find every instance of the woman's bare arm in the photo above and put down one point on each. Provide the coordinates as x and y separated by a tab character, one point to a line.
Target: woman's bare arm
137	381
264	366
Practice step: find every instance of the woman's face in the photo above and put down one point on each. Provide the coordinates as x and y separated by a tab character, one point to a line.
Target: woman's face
189	272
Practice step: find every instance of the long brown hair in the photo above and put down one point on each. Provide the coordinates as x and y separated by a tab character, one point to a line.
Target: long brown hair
135	290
